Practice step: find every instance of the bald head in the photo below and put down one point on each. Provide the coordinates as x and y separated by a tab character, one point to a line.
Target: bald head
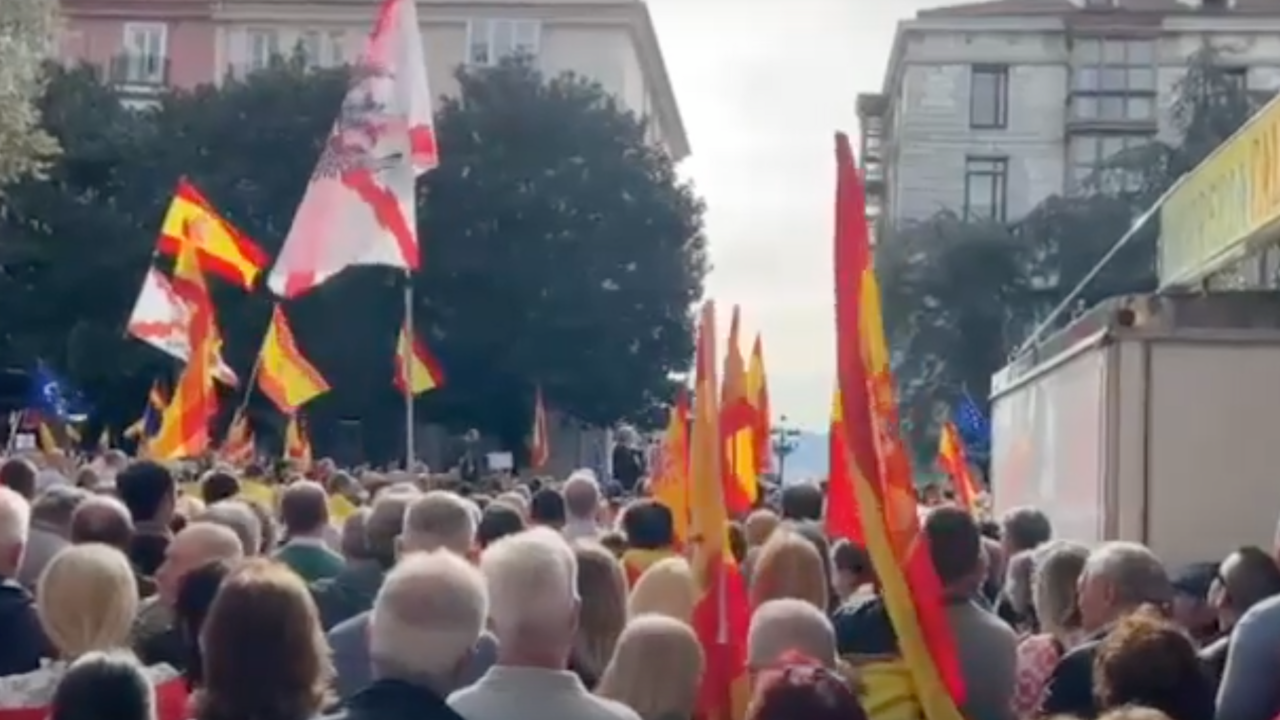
789	624
102	519
198	543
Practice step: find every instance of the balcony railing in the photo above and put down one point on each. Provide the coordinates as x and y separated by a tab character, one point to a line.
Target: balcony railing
137	70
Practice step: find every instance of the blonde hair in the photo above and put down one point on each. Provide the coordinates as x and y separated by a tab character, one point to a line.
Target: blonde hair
656	668
789	566
666	588
602	586
87	599
1130	712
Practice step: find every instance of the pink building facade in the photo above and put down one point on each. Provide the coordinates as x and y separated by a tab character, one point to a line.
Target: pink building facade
142	45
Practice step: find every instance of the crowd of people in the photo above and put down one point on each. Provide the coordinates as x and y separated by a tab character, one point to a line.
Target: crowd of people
124	598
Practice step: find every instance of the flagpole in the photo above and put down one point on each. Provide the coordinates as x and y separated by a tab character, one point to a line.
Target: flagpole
15	422
406	361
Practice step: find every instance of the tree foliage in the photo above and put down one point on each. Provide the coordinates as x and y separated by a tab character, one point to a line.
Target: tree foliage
558	249
26	27
961	297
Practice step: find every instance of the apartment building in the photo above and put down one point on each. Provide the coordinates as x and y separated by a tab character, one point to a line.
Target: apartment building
143	46
989	108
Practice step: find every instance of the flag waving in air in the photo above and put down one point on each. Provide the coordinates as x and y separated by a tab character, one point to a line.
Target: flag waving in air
358	208
737	423
423	373
145	427
539	443
722	614
223	250
285	375
184	426
951	457
670	485
758	396
880	469
161	318
297	446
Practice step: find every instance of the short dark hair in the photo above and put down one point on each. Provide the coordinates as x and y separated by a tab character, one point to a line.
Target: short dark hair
1256	578
1147	660
496	522
648	525
104	686
219	485
304	507
850	558
102	520
144	487
802	502
196	591
955	545
800	687
547	508
19	475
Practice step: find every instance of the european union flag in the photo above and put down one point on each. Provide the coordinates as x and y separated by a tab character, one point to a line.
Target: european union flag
974	427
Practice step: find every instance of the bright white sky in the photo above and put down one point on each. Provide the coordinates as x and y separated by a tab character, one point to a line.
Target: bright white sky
762	86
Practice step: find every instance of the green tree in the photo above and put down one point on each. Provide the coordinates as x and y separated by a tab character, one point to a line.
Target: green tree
558	248
25	29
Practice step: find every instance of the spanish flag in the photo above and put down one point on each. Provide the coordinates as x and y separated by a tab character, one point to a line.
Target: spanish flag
288	378
670	485
184	426
842	505
737	423
46	438
880	469
758	396
722	614
539	443
239	446
297	446
951	457
424	372
223	250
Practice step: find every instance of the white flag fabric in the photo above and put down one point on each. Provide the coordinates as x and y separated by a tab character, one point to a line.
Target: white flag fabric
358	208
162	319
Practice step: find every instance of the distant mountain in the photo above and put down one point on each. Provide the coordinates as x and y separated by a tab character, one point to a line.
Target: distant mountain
809	460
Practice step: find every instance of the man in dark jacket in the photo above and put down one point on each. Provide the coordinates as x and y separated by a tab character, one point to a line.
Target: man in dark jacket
351	592
22	641
1118	578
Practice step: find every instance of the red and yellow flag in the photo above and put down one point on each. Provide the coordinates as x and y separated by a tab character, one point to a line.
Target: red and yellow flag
184	425
285	375
238	447
539	442
880	468
223	250
758	395
842	504
297	446
722	614
951	457
423	373
670	485
737	424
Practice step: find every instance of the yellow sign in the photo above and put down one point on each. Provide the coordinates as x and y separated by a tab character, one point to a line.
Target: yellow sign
1225	205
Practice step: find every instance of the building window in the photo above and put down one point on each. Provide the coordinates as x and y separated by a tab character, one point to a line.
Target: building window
989	97
1114	80
145	53
1237	78
309	49
1090	155
489	41
336	48
986	188
264	46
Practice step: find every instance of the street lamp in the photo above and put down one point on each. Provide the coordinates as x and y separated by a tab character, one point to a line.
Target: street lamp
784	441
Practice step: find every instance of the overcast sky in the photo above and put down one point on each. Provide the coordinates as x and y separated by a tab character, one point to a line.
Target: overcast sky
762	86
